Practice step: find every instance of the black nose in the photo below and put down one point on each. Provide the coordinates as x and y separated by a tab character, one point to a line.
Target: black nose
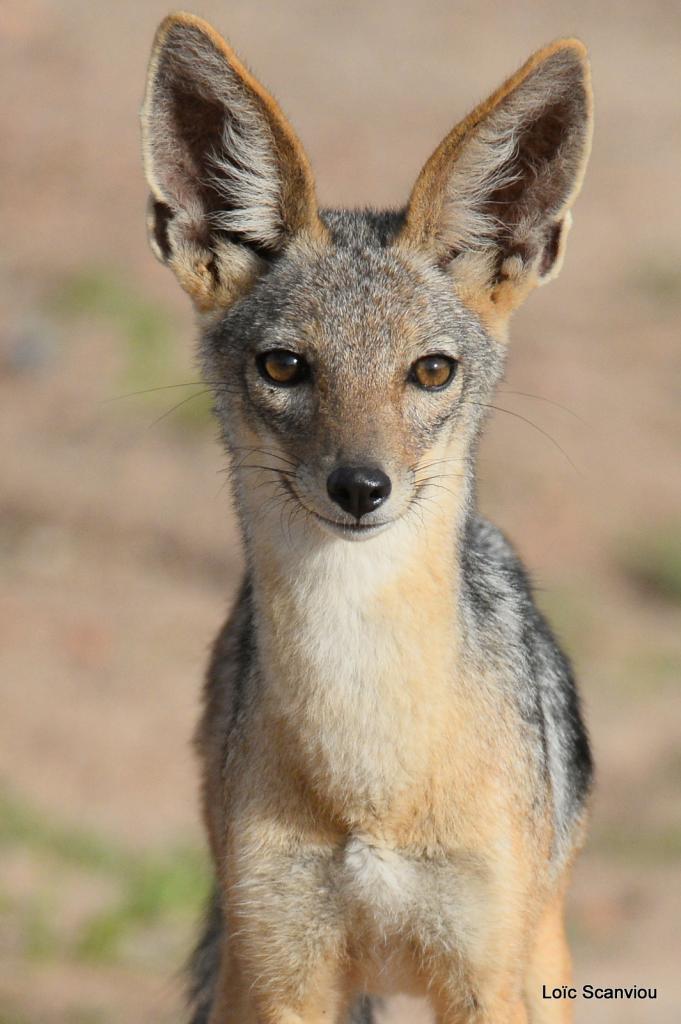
357	489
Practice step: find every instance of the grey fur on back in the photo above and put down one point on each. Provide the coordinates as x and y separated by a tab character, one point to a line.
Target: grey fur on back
502	624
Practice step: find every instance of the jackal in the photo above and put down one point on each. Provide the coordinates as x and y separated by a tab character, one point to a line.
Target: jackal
395	769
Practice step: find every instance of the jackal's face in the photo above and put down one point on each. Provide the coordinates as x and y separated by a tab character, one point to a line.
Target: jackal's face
353	380
353	354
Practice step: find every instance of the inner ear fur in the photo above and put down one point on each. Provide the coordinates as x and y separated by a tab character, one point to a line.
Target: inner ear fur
492	203
230	183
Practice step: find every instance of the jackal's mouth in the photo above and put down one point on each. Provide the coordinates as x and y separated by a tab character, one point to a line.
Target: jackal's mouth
350	527
336	525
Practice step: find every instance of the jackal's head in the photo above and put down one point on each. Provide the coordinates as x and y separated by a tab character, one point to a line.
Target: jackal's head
352	354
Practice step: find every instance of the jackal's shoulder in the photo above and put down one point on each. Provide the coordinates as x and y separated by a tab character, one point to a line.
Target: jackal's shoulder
506	629
229	668
493	573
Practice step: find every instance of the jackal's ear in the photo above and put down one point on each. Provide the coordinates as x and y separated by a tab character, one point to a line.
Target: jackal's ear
230	183
492	203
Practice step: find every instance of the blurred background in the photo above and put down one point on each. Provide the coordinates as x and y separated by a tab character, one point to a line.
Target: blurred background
117	543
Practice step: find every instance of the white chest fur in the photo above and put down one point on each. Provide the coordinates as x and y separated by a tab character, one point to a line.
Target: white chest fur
356	636
393	896
378	877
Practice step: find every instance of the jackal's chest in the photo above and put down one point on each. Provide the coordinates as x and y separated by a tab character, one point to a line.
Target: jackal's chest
393	900
362	666
377	877
386	906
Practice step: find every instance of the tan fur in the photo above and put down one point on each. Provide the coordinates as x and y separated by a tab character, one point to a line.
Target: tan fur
549	965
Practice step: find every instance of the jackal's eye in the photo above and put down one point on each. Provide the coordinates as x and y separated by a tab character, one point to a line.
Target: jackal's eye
282	367
433	372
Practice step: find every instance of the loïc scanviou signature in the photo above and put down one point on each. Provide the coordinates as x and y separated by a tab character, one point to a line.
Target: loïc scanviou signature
598	992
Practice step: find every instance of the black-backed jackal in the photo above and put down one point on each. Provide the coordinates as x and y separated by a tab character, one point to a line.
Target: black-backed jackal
395	770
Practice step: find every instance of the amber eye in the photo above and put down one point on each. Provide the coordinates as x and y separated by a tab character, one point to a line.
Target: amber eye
433	372
282	367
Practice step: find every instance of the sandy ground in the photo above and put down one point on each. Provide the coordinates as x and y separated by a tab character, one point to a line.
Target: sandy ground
117	542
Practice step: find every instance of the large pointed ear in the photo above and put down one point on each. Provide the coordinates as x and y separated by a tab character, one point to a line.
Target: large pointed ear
230	183
492	203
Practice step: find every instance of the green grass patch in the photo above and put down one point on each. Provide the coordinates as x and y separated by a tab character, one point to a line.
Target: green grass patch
155	890
152	347
659	279
645	670
653	562
152	888
13	1015
40	936
21	825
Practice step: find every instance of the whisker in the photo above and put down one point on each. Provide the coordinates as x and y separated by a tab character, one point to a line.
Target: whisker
549	401
439	476
279	498
539	430
298	510
270	469
168	412
426	497
255	451
148	391
291	509
442	488
167	387
415	506
416	468
264	451
274	502
264	483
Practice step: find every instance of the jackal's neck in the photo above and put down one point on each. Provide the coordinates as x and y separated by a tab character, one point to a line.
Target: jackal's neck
357	646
